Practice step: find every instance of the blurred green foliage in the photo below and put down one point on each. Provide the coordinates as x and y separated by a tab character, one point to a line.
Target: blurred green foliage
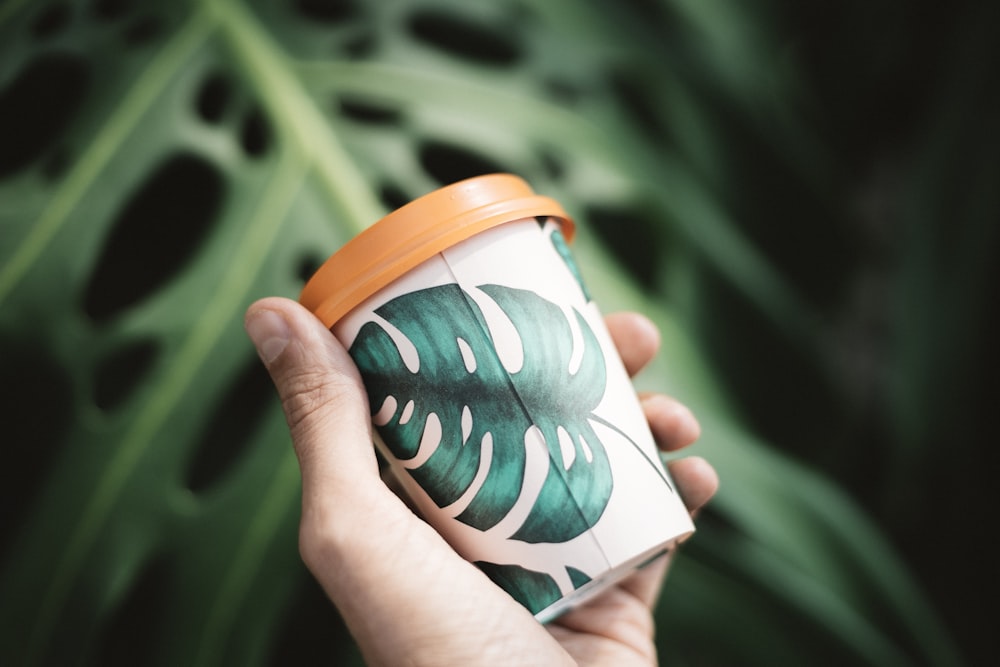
804	196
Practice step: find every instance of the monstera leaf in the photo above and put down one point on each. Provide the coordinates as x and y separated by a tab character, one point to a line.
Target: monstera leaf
459	381
163	163
461	376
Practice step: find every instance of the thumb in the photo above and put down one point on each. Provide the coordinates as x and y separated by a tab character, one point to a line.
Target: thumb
322	395
403	592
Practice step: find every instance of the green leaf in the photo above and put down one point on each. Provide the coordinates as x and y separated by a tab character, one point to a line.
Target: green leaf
460	376
165	163
535	590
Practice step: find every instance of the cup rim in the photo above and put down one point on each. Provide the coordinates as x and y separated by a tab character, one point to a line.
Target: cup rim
416	232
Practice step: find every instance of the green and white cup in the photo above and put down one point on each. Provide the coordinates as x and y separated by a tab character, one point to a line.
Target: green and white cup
497	395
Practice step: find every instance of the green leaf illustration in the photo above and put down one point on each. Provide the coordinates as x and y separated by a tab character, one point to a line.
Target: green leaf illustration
503	405
535	590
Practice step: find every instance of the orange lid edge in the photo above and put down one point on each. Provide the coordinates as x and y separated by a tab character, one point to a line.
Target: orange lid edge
443	217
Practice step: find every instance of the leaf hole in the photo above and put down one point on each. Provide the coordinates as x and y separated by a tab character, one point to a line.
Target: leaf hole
588	453
407	412
37	395
370	111
122	371
392	196
448	163
234	421
553	166
430	440
136	621
327	12
37	107
361	45
465	37
111	10
255	134
466	423
630	238
386	412
308	265
214	97
566	447
51	21
143	30
468	356
155	234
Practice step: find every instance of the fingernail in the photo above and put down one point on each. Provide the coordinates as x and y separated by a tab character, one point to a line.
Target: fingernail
269	333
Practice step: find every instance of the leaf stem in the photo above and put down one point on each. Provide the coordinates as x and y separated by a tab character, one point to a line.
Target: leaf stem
296	114
655	465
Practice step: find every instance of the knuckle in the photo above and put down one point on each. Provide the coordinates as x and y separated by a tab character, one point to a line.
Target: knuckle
334	536
313	392
317	543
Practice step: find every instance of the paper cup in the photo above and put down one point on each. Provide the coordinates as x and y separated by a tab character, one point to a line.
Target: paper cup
497	396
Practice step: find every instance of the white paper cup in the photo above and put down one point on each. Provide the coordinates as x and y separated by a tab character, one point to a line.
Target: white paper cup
498	398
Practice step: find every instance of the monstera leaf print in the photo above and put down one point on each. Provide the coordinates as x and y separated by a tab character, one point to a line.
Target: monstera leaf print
462	382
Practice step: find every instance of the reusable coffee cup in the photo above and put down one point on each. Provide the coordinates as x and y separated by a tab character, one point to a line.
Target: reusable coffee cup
497	396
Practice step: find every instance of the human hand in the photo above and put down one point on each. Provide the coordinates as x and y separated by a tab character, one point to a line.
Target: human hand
406	596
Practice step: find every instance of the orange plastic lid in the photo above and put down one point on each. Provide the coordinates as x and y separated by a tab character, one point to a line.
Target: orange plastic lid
418	231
